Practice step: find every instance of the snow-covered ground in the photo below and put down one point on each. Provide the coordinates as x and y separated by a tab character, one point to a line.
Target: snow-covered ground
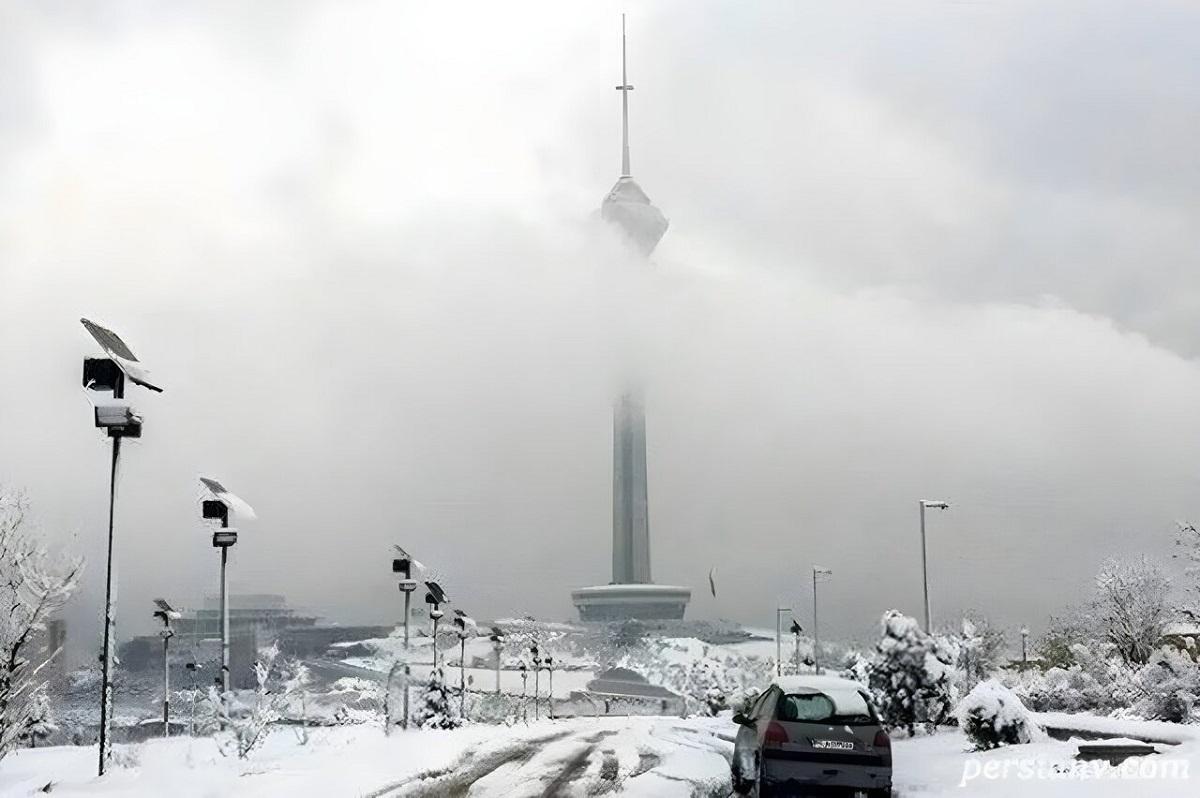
653	757
661	757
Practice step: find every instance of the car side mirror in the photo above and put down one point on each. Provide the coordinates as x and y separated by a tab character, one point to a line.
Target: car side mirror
742	720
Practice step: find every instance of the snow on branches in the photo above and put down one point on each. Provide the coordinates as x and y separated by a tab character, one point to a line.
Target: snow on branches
33	586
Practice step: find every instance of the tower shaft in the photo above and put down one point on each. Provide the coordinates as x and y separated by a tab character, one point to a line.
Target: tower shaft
631	522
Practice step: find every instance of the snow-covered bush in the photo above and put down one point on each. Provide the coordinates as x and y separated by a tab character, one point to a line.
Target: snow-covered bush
991	716
39	724
910	675
980	652
1131	607
435	710
33	586
246	723
1167	688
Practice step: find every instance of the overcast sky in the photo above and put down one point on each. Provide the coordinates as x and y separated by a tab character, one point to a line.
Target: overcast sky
917	249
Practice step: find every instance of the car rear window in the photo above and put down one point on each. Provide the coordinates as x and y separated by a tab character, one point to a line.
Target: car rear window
834	706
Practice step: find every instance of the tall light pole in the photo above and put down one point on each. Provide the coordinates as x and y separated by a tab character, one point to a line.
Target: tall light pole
937	505
779	611
217	510
549	662
435	597
402	567
817	571
166	614
118	419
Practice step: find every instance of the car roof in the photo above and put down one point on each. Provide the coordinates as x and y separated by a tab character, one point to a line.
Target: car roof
811	682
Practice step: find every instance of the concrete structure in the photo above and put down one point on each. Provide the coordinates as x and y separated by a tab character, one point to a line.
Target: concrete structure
631	593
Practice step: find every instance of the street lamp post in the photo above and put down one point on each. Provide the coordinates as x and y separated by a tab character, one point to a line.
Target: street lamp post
497	638
796	631
435	597
191	669
118	419
537	669
1024	645
524	690
463	624
779	611
217	510
166	614
937	505
402	566
817	571
549	662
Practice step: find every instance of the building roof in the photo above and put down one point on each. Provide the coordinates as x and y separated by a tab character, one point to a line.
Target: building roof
811	682
623	682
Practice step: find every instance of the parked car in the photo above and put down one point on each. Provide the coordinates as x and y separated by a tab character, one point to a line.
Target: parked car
812	734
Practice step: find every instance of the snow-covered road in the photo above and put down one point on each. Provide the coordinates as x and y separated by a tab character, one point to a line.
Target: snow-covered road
627	756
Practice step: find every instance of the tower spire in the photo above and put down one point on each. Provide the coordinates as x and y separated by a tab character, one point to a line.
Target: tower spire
624	88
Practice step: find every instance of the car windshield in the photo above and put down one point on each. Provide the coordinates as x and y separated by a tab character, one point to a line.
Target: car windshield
847	707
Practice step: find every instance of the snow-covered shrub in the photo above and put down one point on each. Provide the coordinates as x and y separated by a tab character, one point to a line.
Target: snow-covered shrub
991	716
435	710
910	675
247	723
1167	688
1131	607
39	724
980	652
33	586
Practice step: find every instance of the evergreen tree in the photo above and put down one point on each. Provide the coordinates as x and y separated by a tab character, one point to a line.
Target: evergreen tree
910	675
436	710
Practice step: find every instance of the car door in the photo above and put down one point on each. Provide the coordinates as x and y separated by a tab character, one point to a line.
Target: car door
746	743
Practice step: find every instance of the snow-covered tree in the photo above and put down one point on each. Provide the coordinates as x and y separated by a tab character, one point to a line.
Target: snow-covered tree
435	710
910	675
33	586
1131	607
980	651
40	723
247	723
992	716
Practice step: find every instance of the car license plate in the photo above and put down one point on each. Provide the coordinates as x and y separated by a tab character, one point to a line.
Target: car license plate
834	745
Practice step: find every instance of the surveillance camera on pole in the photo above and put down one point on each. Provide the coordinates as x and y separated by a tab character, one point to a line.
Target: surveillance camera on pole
435	597
216	510
926	504
402	566
166	614
104	378
817	571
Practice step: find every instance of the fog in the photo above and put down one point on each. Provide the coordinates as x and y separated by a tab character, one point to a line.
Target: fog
917	250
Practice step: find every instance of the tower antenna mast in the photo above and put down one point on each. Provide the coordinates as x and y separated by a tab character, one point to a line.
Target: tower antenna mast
624	88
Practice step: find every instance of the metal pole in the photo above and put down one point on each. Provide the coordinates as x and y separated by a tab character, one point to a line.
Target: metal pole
924	567
537	671
1024	646
462	677
816	629
224	622
499	648
106	696
166	687
435	625
550	695
407	599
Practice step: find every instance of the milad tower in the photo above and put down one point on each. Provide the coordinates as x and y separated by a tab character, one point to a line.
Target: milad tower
631	594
